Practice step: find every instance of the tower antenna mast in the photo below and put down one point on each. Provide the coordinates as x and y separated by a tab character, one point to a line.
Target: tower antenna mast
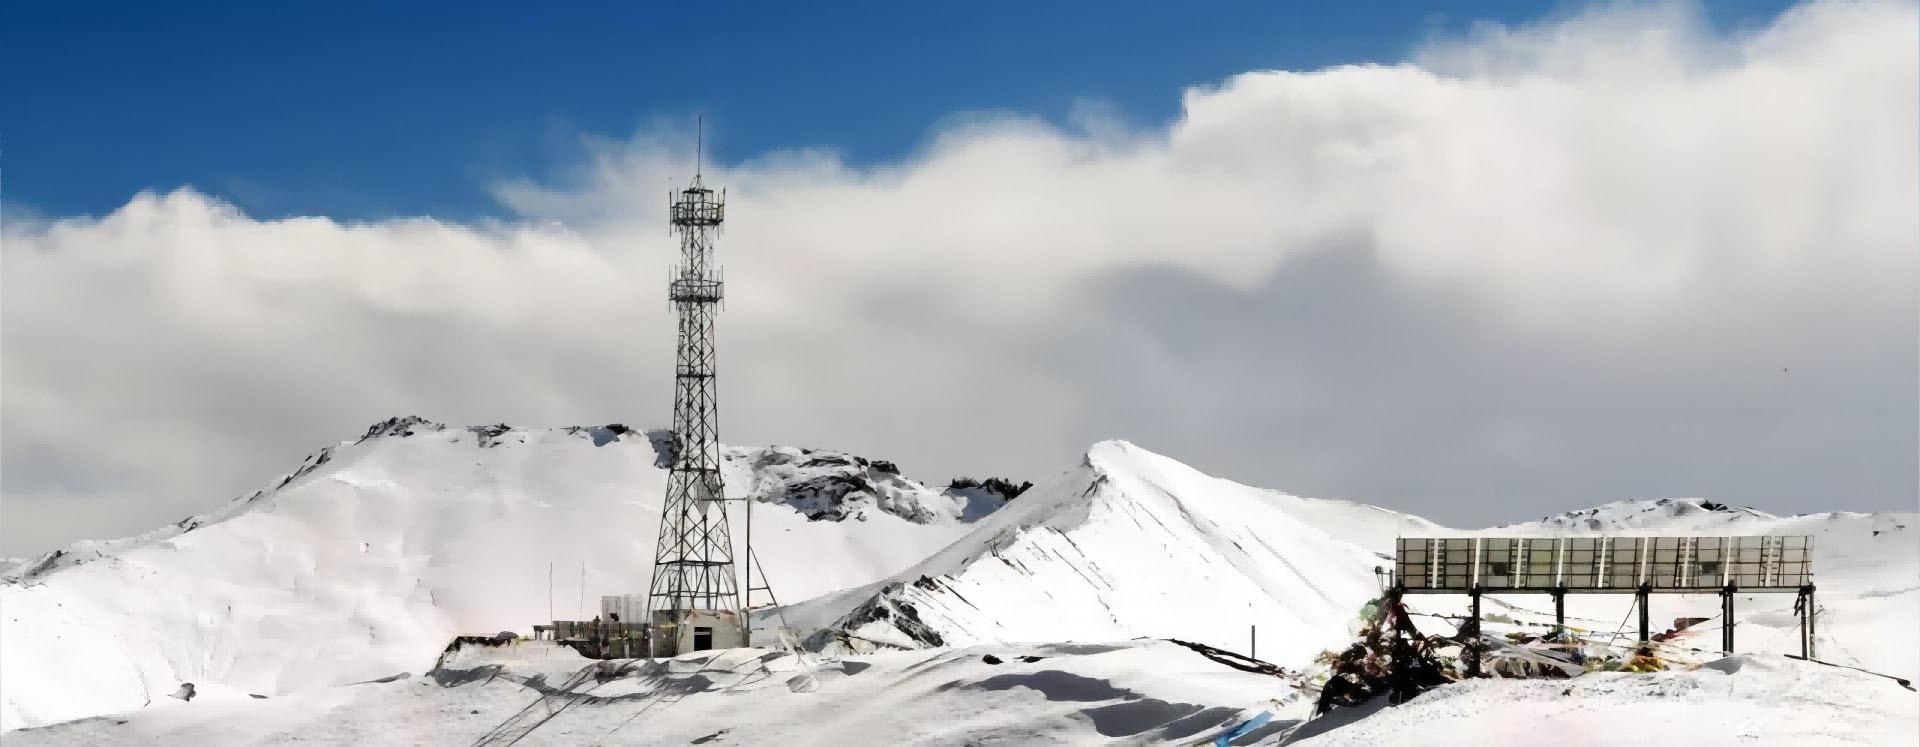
695	599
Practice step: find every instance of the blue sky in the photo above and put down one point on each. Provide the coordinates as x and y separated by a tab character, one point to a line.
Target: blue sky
363	111
1599	253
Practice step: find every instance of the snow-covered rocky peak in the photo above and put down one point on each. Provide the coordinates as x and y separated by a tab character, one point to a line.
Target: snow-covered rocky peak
378	551
1663	514
820	485
1131	544
835	486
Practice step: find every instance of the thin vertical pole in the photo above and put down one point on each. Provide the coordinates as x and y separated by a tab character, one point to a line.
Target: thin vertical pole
1812	612
1640	598
549	591
1806	622
1560	609
746	577
1253	641
1472	641
583	590
1726	619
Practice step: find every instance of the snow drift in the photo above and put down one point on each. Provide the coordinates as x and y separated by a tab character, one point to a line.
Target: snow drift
366	560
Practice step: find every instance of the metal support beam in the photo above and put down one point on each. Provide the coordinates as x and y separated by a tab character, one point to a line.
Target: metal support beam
1726	619
1471	641
1640	598
1804	605
1560	609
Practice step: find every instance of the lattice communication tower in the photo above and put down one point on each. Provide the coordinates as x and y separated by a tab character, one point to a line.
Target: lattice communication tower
694	574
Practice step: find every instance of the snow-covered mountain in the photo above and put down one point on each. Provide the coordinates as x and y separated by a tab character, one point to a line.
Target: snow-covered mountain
362	563
1133	544
371	555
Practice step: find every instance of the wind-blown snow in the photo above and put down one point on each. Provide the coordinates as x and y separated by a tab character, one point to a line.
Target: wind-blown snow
371	556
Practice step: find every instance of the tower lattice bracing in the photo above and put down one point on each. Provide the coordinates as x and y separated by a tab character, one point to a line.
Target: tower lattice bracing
695	597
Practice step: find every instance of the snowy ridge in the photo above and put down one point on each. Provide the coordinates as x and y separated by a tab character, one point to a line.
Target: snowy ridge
367	559
829	485
1133	544
1666	515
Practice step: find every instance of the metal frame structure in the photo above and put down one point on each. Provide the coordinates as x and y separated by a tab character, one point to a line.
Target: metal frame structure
693	567
1637	565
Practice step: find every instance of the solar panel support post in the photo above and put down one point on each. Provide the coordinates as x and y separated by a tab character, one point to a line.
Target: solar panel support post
1640	599
1726	619
1560	609
1805	605
1471	641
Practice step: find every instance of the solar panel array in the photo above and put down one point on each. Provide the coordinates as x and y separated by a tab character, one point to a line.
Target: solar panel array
1461	564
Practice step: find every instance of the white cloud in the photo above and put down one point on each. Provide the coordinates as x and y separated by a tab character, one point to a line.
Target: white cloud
1614	213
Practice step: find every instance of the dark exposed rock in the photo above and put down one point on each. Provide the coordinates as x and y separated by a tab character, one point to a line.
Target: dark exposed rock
401	427
488	435
665	450
1003	488
888	606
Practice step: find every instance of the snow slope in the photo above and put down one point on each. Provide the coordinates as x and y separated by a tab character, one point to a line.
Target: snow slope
371	556
1140	692
1133	544
1738	700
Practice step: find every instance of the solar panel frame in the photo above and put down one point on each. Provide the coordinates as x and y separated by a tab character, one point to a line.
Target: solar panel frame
1593	564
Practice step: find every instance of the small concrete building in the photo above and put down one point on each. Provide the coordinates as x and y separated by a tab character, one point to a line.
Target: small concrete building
702	630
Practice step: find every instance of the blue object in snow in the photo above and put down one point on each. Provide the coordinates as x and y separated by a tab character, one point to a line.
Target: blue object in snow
1241	730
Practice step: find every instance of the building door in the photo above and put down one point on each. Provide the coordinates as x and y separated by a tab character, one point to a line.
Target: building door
702	639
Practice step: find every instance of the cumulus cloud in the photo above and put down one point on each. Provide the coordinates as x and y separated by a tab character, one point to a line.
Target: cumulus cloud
1610	256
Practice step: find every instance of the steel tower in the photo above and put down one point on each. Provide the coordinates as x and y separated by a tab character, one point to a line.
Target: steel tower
694	598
